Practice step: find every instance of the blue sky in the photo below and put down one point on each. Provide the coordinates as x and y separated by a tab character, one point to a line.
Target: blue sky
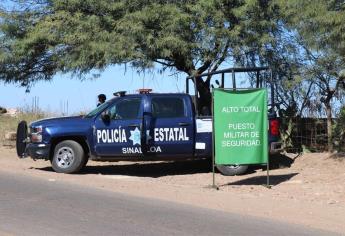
82	95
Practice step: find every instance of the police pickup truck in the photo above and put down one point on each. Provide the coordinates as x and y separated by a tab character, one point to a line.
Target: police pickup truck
136	127
128	127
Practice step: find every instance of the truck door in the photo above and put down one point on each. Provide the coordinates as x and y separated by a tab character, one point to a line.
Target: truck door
171	129
120	136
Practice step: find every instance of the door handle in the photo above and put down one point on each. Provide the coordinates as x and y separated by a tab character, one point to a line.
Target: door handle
134	125
183	124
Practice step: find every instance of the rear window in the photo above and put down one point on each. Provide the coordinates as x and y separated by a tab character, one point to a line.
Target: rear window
168	107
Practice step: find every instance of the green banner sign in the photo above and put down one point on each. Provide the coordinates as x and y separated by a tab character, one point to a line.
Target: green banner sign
240	126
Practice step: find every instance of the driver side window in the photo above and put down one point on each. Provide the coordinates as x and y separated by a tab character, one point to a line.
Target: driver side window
125	109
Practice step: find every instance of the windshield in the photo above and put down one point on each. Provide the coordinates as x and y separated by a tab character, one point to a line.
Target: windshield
97	110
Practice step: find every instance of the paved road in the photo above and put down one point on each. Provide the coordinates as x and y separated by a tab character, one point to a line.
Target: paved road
32	206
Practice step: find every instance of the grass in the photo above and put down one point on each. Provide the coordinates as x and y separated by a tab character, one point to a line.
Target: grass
9	124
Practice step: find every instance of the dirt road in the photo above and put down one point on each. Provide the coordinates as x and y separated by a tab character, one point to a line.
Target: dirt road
310	193
42	208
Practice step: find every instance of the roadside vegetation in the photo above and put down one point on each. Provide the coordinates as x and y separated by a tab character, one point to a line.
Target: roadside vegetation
9	123
339	131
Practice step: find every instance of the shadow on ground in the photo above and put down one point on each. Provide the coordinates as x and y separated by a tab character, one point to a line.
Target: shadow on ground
159	169
152	169
262	180
277	161
280	161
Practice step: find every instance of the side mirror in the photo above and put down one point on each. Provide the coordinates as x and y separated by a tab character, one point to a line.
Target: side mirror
105	117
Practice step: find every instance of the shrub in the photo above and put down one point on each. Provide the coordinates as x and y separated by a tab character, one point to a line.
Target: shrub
339	130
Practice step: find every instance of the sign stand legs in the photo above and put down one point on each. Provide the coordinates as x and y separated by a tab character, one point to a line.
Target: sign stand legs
213	151
214	174
267	185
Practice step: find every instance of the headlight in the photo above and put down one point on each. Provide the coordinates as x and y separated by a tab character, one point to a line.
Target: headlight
37	129
36	134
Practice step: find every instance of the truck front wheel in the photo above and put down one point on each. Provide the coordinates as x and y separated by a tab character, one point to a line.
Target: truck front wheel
69	157
230	170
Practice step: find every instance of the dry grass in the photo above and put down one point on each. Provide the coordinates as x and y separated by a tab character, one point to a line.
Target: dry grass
9	124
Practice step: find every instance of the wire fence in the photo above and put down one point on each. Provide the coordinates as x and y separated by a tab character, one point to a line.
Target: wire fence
304	134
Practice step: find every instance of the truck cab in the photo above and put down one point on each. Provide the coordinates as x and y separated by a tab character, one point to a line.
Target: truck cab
144	125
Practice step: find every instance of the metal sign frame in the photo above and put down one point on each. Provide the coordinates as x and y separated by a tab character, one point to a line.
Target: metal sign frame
233	71
267	185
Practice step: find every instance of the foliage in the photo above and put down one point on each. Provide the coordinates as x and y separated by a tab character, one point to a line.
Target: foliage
320	23
339	130
319	26
320	29
78	36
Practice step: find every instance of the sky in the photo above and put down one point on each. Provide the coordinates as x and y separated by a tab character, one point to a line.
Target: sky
81	96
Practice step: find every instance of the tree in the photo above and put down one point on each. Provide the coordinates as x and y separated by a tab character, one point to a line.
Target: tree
320	23
320	27
339	130
49	36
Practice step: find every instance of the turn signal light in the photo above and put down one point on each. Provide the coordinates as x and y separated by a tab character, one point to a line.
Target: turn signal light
36	138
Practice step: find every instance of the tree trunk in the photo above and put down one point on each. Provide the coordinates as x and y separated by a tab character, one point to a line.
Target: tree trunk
329	127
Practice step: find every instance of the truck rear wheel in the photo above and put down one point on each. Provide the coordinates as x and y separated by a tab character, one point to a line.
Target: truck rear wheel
230	170
69	157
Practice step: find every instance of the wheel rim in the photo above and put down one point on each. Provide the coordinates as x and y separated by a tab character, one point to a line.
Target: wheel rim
234	167
64	157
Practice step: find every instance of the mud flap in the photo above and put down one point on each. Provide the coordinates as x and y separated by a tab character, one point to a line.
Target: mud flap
22	136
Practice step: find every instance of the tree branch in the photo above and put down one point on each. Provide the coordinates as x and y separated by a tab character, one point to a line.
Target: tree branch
306	98
204	67
222	57
164	63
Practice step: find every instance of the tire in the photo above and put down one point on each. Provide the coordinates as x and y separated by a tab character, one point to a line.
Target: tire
69	157
230	170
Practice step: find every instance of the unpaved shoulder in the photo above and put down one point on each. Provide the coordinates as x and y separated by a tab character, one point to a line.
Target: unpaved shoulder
311	192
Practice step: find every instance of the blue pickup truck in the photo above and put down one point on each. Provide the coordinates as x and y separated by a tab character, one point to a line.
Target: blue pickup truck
135	127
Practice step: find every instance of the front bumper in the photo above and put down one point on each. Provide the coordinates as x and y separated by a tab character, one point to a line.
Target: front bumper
38	150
